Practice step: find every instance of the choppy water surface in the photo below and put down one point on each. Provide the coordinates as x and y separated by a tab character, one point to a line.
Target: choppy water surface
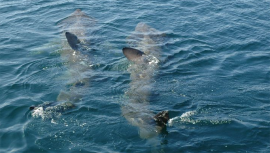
213	76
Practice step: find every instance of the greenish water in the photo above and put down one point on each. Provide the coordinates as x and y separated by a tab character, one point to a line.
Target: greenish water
213	76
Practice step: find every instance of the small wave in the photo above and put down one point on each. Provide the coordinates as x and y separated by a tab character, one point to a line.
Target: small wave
50	110
183	118
196	117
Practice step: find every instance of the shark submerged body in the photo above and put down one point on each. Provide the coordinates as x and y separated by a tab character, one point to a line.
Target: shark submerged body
144	64
74	55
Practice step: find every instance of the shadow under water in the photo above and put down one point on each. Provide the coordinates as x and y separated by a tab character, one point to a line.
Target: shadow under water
75	53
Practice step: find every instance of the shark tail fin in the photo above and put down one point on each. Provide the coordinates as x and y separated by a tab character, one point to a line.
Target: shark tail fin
132	54
73	40
162	118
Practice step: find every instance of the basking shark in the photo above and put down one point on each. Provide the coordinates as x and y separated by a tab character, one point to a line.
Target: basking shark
144	59
74	52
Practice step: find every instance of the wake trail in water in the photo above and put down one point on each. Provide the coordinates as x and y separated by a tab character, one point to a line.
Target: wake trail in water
198	117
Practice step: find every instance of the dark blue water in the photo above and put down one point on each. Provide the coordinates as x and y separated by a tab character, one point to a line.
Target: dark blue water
214	76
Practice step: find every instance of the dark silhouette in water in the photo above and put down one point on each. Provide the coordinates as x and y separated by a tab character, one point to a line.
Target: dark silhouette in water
142	69
75	28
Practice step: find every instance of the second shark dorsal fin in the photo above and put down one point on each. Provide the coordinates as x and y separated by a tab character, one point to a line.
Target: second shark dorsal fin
132	54
73	40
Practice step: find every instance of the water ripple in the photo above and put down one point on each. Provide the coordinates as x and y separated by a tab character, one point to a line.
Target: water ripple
213	76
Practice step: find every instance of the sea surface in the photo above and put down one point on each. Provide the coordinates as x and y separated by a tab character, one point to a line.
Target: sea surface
213	76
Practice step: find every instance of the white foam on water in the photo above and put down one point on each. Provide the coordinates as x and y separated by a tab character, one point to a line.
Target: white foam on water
185	117
38	112
53	121
152	60
197	116
48	113
188	114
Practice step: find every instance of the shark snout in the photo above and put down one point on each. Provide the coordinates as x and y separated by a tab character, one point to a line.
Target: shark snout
162	118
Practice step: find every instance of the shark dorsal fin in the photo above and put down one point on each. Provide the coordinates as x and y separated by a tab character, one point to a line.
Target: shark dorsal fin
73	40
132	54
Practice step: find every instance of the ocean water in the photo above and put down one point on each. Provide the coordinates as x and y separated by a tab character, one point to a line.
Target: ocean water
213	76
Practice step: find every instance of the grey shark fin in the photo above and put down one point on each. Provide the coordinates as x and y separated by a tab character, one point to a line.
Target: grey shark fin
73	40
162	118
132	54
